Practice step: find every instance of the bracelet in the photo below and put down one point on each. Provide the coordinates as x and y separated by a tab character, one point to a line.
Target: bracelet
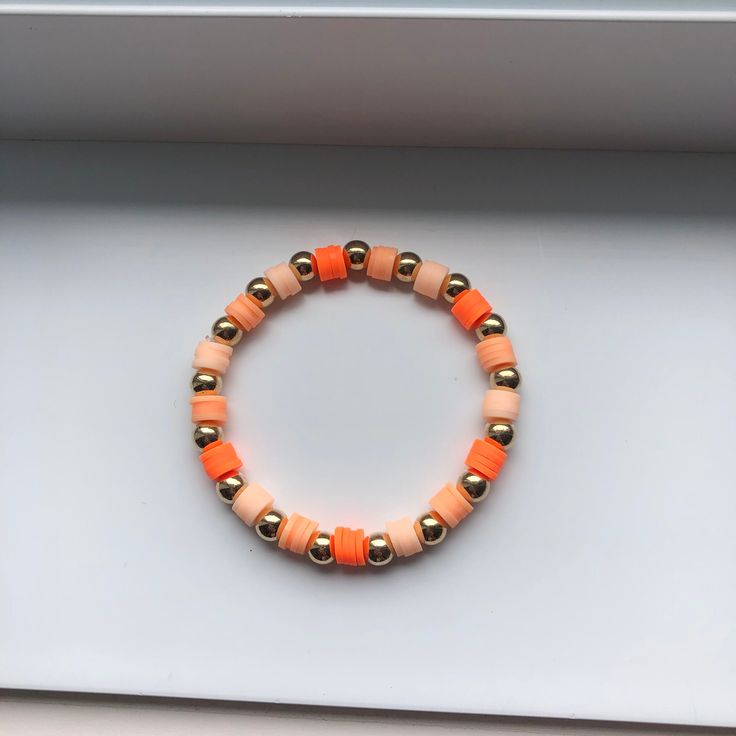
452	503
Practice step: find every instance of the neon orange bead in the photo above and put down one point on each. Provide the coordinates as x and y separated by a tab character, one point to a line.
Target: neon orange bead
470	308
347	548
330	263
220	460
486	458
495	352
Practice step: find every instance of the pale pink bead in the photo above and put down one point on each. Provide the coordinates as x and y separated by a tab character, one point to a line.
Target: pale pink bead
403	537
212	356
283	280
381	262
253	501
450	505
501	404
429	279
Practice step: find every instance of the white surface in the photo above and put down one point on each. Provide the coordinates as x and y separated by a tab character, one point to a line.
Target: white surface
447	79
595	582
35	714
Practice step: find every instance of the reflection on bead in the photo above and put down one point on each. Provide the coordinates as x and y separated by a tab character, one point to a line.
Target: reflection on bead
430	530
229	488
476	487
379	552
206	382
302	264
267	527
407	266
261	290
204	434
501	432
357	254
225	332
319	551
453	285
506	378
493	324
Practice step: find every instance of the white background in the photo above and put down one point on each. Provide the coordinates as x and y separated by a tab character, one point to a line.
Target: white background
595	582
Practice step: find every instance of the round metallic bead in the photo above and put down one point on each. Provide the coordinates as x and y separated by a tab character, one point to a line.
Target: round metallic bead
379	552
302	264
225	332
506	378
261	290
474	485
206	382
432	531
357	254
407	266
493	324
501	432
453	285
319	551
267	527
204	434
230	487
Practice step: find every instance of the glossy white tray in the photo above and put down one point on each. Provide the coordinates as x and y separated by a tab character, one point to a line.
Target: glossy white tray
596	582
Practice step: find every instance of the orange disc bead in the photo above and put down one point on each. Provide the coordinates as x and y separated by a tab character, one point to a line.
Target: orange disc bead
470	308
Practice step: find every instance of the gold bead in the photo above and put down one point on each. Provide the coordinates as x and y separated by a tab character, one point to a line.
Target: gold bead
502	432
379	552
225	332
407	266
431	530
474	485
303	265
267	527
261	290
493	324
357	252
206	382
319	551
229	488
204	434
506	378
453	285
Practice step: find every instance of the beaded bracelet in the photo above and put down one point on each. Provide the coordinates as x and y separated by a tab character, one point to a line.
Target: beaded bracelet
452	503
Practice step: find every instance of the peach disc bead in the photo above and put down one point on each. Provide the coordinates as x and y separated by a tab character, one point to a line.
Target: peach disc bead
501	404
495	352
296	534
430	278
251	503
381	263
244	312
403	537
450	505
212	356
283	280
209	409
